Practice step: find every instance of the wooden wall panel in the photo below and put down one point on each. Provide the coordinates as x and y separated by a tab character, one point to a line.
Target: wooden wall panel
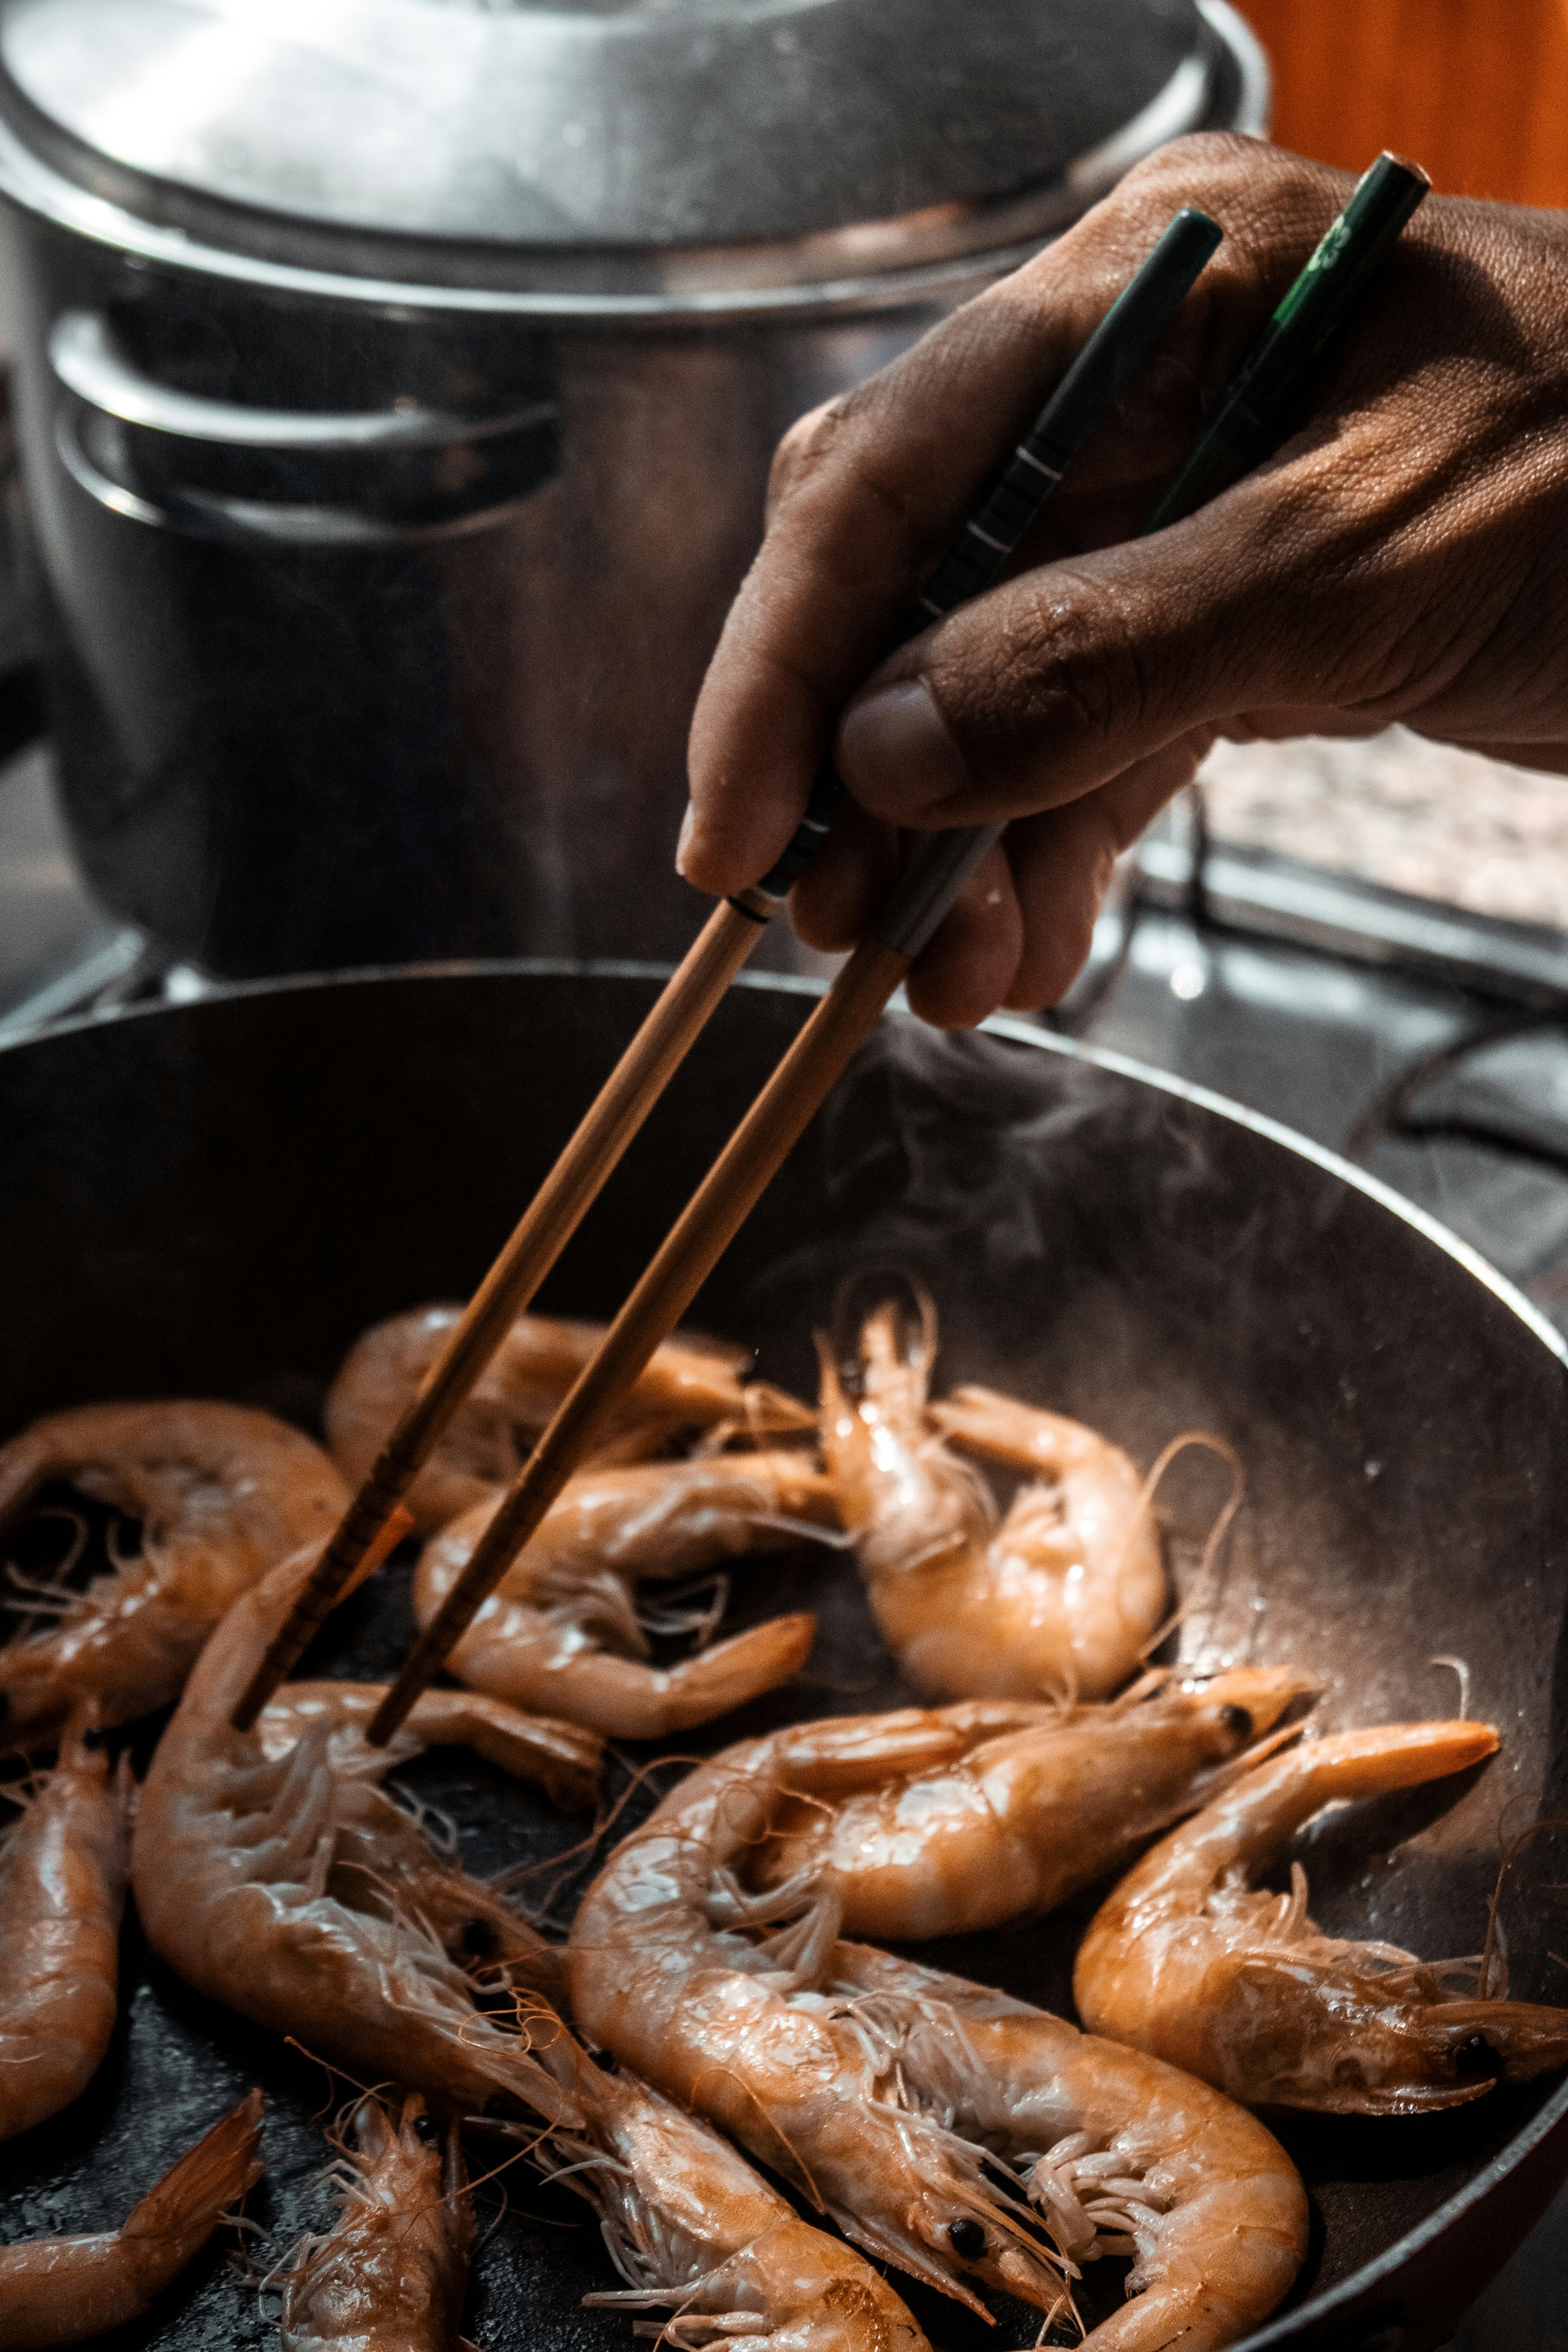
1476	91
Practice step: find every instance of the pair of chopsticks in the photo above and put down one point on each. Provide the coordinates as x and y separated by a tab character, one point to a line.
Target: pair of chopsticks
1254	412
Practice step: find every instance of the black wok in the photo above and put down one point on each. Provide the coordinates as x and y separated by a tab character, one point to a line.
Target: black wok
214	1199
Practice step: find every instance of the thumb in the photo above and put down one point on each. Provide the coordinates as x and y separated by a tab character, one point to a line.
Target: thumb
1065	677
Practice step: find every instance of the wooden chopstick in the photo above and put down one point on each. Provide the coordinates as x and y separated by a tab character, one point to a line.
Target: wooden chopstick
1086	393
557	1209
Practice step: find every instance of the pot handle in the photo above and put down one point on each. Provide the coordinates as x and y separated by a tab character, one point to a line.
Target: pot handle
89	361
393	477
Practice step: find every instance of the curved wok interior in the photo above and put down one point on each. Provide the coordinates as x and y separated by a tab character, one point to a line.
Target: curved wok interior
216	1200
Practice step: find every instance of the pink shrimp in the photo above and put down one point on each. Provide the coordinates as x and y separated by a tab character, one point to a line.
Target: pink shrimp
223	1494
691	1384
391	2273
561	1630
1118	2154
664	1973
1042	1801
296	1892
1186	1962
1059	1599
56	2291
62	1888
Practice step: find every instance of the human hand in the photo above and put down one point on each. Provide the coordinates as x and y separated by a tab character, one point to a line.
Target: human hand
1404	557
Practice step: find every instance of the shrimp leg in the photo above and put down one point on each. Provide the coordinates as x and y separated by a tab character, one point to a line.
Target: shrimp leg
56	2291
62	1887
1185	1961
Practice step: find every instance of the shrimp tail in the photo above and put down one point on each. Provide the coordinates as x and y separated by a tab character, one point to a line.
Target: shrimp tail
734	1671
182	2210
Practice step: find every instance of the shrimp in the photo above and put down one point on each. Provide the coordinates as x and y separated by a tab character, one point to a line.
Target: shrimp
57	2290
689	2223
1184	1961
562	1759
391	2275
1062	1596
1118	2153
222	1492
561	1631
297	1893
62	1888
690	1384
1027	1815
664	1973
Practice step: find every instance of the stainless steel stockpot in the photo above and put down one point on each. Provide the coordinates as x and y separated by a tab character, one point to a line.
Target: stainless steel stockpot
397	390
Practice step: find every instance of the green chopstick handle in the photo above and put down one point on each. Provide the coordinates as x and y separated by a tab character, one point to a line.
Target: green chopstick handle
1256	408
1086	395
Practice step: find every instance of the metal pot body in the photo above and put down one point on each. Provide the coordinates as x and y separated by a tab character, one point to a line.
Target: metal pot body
368	695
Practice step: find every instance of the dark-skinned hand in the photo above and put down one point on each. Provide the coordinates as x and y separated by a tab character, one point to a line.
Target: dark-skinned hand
1404	557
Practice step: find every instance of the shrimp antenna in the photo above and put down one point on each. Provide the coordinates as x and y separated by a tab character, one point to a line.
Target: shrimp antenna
879	1284
1216	1534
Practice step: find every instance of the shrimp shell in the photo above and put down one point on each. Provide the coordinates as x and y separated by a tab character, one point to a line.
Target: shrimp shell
1027	1815
295	1892
56	2291
62	1888
392	2269
1184	1961
223	1494
561	1630
1057	1601
691	1384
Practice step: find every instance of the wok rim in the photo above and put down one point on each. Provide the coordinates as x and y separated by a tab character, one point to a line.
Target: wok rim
1339	2300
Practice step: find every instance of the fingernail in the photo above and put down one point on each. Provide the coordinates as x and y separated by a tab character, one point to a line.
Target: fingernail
896	751
688	827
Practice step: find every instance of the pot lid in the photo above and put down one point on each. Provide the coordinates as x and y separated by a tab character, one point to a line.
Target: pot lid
595	141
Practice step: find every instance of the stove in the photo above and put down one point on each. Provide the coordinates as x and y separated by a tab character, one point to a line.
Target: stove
1425	1040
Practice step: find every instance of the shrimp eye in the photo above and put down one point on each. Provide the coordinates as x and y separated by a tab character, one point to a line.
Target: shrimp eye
605	2060
1477	2056
968	2238
479	1938
1237	1719
424	2127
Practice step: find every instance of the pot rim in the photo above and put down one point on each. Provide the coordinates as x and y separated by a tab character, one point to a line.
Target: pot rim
690	287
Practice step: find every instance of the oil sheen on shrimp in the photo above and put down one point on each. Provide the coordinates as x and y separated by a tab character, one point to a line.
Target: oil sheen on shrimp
56	2291
1058	1600
1118	2154
665	1973
1042	1801
691	1384
391	2273
1185	1960
62	1888
222	1492
692	2228
561	1630
296	1892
